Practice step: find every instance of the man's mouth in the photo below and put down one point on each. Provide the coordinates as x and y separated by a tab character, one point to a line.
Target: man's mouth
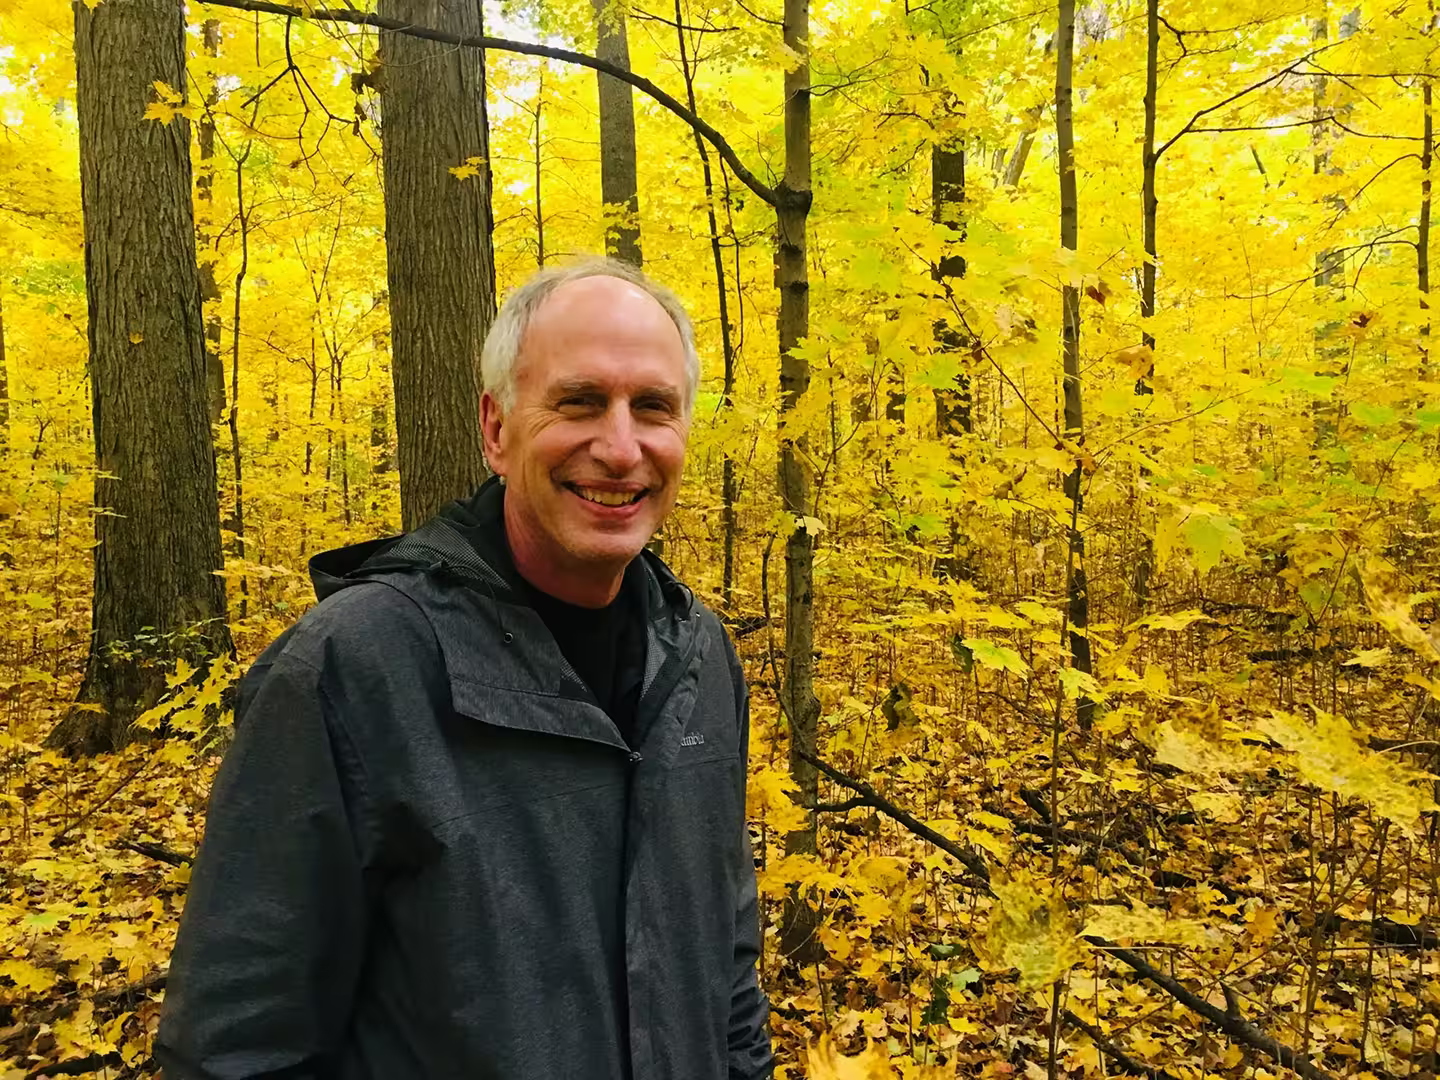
608	498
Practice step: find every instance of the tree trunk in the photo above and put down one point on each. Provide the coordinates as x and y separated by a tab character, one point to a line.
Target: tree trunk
727	344
947	207
204	195
1422	242
539	172
1015	167
1148	202
441	266
158	540
4	386
1076	589
802	709
618	187
1149	207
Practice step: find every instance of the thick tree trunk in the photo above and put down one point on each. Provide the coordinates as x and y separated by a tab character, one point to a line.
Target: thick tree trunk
618	188
441	265
158	540
1076	589
802	709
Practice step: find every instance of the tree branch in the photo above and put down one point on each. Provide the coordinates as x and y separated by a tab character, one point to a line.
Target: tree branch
772	196
1228	1020
1274	77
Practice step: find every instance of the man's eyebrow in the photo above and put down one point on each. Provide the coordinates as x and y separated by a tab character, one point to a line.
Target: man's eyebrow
582	387
573	386
665	393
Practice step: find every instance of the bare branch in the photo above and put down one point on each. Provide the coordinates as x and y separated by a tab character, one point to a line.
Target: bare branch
770	195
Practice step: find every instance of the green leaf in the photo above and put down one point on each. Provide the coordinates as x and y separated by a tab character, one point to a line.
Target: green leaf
959	980
997	657
1428	418
1369	415
1210	537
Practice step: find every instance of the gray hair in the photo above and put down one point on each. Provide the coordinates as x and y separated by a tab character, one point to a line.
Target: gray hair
502	344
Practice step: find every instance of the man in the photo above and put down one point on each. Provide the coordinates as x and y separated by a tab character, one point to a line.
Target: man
484	812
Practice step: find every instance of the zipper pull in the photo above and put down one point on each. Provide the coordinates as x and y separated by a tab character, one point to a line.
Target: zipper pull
635	757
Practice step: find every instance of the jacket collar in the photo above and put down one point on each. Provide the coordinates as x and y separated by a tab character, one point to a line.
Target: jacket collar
447	568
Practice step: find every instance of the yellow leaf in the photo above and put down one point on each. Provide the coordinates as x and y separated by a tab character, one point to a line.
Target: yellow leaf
158	110
1144	924
1390	604
1370	658
768	796
1032	931
1223	807
27	976
183	671
1136	359
1198	741
1328	755
135	336
165	92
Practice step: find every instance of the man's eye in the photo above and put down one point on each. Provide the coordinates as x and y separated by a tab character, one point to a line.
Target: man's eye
654	405
576	402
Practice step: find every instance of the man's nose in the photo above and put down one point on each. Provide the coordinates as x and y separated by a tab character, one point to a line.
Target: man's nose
616	445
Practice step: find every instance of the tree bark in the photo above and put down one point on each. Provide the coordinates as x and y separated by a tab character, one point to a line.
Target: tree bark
157	549
204	195
947	207
1076	587
619	189
802	709
4	384
1422	242
1148	202
441	266
728	485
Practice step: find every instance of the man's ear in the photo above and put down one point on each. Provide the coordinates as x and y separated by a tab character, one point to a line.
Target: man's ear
492	420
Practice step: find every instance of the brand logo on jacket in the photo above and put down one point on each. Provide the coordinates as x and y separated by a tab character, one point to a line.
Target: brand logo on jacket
692	739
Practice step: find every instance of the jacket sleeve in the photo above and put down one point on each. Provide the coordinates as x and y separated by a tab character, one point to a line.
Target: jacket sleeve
265	966
749	1040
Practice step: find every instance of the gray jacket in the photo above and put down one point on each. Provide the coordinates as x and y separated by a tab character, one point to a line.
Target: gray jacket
430	854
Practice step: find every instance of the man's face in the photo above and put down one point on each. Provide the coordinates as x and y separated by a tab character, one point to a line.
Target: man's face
593	448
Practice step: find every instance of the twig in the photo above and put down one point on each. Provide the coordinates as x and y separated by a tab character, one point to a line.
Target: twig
1122	1059
1228	1020
773	196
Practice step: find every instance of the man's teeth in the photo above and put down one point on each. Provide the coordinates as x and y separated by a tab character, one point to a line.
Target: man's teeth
608	498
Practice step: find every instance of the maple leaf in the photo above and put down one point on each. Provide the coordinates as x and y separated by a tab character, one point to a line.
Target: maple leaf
1031	930
996	657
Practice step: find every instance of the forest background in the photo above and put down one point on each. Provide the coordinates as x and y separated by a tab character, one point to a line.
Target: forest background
1066	466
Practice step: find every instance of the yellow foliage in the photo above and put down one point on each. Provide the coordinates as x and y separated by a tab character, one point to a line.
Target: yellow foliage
1032	930
826	1062
1198	740
1329	755
1139	923
1390	605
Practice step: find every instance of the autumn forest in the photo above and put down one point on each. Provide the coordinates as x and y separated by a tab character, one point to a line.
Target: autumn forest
1065	466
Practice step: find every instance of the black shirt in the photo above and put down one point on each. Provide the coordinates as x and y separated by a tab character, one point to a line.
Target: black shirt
605	646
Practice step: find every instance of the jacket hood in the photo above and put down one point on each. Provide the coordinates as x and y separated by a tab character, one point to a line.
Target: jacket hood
457	543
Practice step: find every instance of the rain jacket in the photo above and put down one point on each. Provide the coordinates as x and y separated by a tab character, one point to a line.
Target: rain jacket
430	854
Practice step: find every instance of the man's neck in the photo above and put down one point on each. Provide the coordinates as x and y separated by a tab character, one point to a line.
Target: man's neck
553	573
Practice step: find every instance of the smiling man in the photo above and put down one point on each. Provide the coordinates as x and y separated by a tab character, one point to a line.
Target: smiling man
484	815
